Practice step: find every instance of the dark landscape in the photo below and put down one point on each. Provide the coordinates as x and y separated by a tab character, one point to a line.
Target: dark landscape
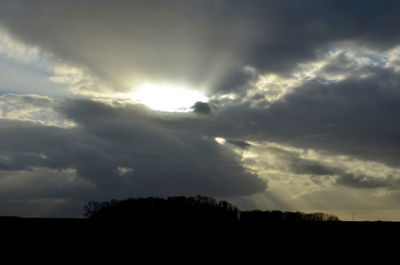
198	230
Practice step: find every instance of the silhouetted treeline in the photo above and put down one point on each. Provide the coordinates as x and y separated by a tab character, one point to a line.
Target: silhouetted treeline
9	217
279	217
199	209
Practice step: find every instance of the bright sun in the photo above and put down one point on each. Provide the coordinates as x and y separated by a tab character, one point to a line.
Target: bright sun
165	97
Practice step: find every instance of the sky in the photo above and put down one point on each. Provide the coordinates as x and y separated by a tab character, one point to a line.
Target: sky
269	104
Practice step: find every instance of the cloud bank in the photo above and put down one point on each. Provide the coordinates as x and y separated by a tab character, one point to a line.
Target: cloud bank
118	151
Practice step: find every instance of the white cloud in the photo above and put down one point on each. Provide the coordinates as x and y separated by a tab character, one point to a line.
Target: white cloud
17	50
81	82
334	65
393	59
31	107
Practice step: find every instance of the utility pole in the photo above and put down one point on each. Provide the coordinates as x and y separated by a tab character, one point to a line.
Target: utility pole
353	216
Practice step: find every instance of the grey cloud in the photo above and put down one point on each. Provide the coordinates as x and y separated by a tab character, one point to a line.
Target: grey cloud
237	79
162	161
356	116
281	163
321	173
24	144
42	183
202	108
239	143
344	64
362	181
14	103
305	166
200	42
339	176
31	107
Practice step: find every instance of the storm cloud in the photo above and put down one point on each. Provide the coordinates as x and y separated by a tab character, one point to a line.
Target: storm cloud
205	43
119	151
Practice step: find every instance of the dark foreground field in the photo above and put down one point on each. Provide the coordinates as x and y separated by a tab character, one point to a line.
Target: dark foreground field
82	240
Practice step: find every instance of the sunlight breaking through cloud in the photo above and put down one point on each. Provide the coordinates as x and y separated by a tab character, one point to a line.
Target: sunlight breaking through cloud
167	97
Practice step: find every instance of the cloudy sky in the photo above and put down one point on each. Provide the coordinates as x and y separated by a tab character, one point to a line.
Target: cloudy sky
269	104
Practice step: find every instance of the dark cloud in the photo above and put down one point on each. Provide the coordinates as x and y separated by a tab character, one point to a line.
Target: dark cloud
239	143
203	43
359	181
367	182
202	108
237	79
319	173
355	116
305	166
120	151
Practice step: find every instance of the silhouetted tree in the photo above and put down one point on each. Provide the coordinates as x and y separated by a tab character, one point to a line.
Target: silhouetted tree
91	208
